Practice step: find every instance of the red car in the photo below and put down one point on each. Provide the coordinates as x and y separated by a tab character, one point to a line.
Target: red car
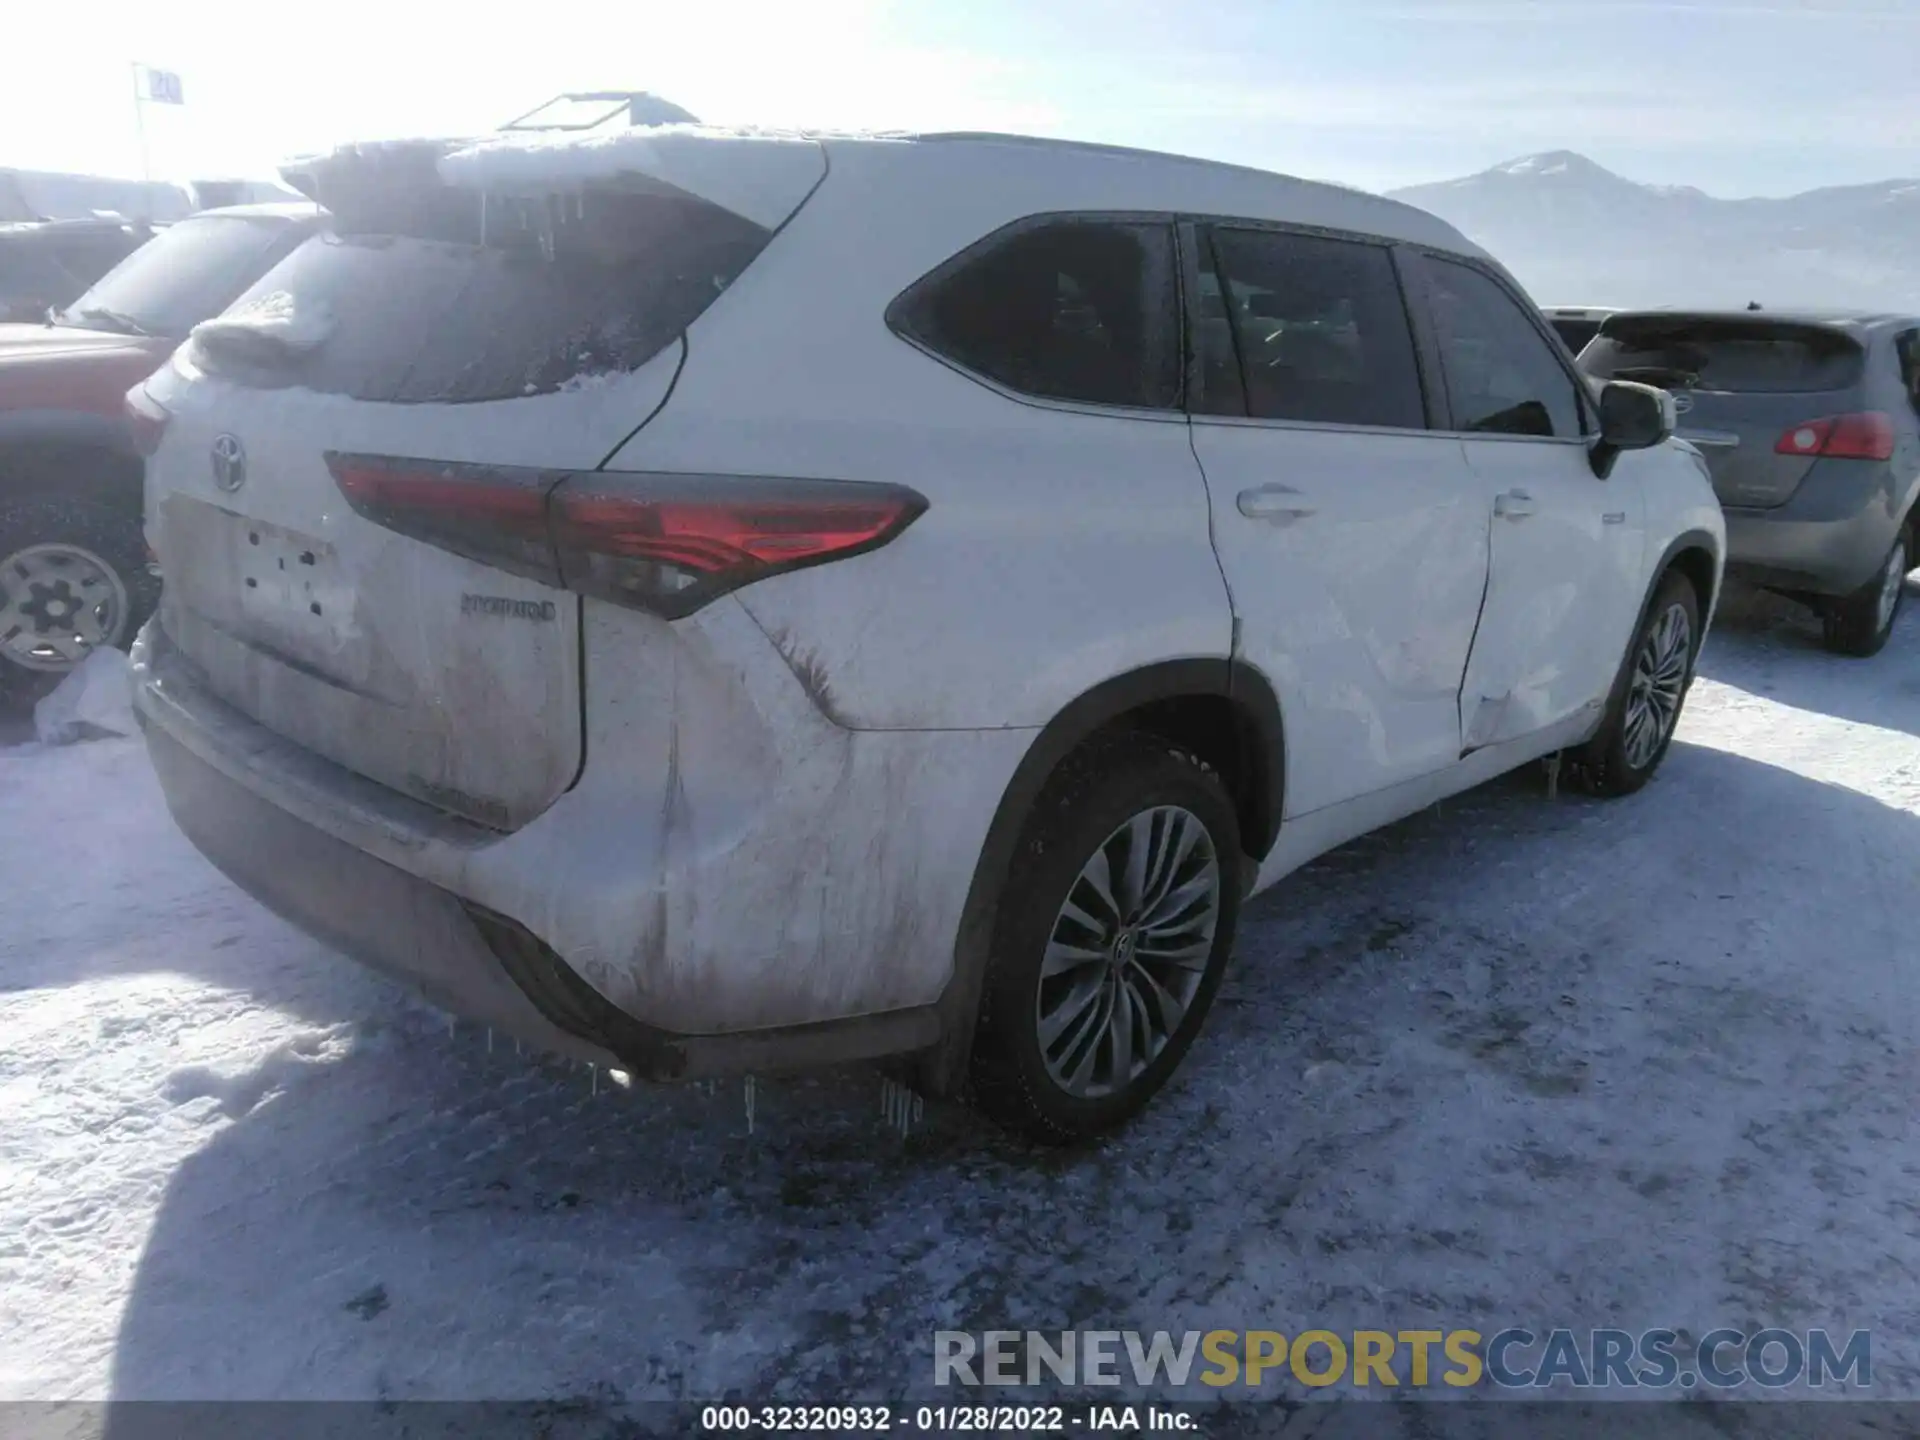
74	570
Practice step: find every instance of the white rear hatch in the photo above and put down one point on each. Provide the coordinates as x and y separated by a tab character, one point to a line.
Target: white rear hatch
435	366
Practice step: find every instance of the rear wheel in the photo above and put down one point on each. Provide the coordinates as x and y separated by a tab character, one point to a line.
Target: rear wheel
73	578
1860	623
1647	698
1111	939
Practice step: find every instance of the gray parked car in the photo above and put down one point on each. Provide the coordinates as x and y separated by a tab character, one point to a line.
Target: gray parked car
1810	423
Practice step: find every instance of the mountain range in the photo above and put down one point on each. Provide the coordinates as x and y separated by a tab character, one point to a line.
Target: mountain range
1575	233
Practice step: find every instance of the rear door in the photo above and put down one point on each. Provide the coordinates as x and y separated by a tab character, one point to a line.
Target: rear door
1745	388
455	349
1567	546
1353	537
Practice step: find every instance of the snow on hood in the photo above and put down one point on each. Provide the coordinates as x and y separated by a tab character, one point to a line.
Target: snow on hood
760	175
275	317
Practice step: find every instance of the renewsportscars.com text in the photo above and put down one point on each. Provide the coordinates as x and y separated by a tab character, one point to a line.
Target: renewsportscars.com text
1515	1358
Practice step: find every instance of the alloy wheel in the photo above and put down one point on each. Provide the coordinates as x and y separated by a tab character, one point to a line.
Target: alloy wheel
1659	683
1890	583
1128	951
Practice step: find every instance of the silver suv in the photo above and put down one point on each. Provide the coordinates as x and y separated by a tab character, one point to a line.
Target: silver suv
1810	424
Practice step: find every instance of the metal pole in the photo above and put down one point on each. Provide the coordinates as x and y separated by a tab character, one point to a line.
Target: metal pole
140	125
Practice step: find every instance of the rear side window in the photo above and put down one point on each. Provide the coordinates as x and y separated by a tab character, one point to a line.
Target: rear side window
449	302
1503	376
1317	327
1079	309
1738	356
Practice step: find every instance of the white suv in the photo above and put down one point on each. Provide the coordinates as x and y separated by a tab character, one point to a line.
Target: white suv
718	603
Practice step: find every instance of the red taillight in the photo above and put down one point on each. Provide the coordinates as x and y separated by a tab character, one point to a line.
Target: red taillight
493	515
1865	436
146	420
665	543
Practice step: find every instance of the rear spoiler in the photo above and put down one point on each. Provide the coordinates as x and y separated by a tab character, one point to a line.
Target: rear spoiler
761	176
356	172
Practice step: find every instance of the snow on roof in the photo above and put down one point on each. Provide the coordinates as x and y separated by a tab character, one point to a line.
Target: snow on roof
759	174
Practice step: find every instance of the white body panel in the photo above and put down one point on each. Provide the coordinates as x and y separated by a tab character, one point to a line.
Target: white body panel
1567	550
1357	560
782	799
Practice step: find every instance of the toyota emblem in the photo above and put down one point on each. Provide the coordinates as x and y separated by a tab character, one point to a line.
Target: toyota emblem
229	463
1682	404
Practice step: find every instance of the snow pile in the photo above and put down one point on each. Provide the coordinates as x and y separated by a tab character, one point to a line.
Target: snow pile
275	317
95	700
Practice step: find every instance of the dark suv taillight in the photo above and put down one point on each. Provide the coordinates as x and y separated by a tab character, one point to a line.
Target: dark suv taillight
666	543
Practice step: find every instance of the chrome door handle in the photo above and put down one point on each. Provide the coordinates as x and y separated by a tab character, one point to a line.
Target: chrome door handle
1513	504
1278	503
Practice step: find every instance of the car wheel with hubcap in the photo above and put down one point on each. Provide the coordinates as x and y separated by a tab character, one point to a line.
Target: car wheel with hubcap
1647	696
73	578
1860	623
1112	935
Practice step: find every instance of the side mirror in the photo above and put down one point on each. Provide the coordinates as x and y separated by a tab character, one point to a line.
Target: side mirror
1632	417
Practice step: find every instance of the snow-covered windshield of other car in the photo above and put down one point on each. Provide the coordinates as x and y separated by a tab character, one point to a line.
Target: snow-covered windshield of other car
185	274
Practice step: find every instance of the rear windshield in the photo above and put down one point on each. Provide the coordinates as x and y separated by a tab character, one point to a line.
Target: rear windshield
1736	356
458	298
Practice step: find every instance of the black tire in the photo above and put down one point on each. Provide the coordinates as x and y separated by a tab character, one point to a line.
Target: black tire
1096	792
1856	624
1611	764
111	533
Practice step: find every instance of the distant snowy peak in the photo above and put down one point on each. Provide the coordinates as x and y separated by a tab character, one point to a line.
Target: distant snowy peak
1571	227
1554	162
1557	170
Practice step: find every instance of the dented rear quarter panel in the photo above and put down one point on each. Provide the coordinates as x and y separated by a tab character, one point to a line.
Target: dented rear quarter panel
1062	545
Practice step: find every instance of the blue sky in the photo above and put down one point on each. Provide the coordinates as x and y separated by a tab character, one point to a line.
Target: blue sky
1739	97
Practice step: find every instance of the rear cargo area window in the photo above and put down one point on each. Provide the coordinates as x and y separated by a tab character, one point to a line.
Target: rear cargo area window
1726	355
454	297
1067	309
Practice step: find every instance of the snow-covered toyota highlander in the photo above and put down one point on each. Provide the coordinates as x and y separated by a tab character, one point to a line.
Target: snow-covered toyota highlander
720	603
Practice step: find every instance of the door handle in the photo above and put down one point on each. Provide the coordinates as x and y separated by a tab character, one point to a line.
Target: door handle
1513	504
1278	503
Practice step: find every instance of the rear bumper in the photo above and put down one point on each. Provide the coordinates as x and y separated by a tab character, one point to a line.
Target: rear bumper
339	857
1830	538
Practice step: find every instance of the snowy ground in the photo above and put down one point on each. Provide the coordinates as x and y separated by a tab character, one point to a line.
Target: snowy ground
1512	1062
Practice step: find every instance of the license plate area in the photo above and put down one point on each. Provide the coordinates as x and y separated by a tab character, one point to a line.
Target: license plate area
289	581
270	587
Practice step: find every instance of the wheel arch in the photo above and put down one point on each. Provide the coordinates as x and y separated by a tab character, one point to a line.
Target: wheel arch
1223	709
1693	553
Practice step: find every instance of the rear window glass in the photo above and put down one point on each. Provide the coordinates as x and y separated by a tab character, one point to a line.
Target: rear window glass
1069	309
1734	356
459	300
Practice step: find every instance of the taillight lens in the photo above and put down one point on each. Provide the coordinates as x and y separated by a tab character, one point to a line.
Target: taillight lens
671	543
146	420
663	543
1864	436
495	515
